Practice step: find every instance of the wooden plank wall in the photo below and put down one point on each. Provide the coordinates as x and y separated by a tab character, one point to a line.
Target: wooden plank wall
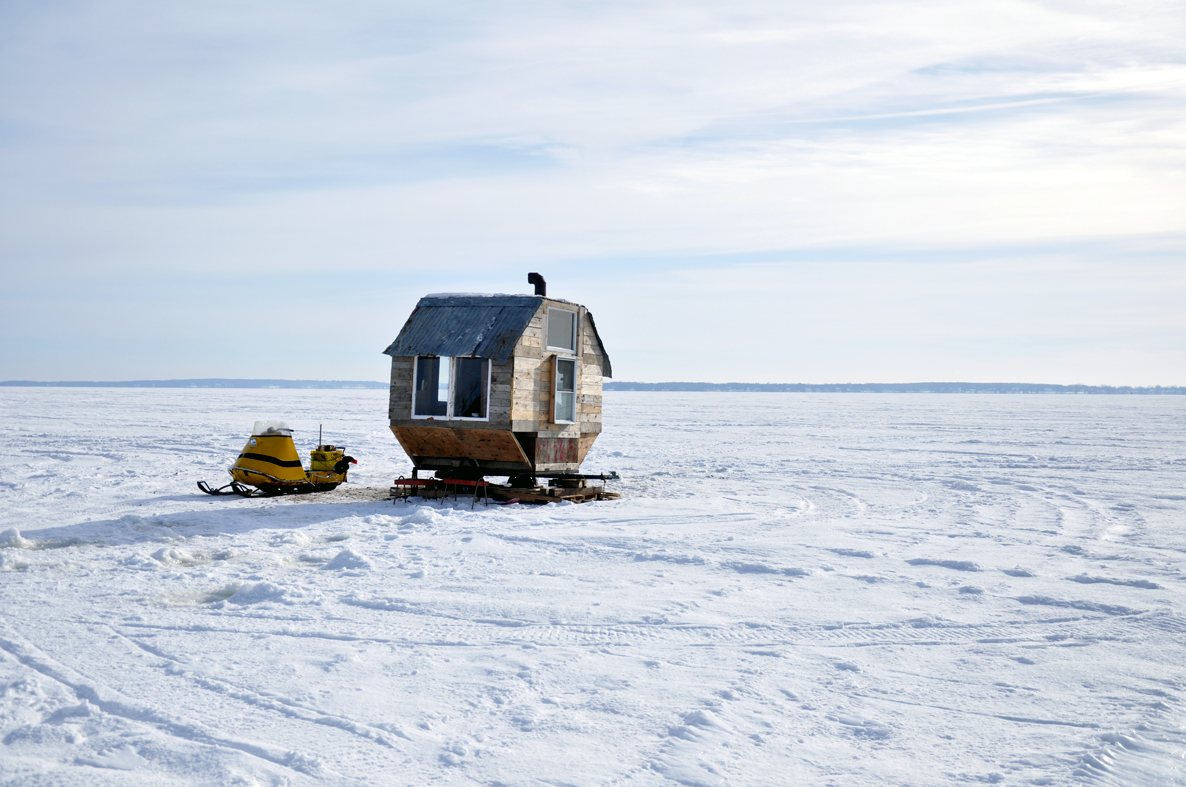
531	380
399	403
501	385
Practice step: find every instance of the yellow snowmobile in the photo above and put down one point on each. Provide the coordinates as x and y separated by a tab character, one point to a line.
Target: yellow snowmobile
270	463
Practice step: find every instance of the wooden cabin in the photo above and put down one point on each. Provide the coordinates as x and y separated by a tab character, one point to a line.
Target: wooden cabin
497	384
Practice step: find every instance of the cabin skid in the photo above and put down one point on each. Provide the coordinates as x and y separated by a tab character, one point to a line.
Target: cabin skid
572	490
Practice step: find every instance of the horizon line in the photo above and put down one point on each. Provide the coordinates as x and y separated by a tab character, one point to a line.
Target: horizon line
731	387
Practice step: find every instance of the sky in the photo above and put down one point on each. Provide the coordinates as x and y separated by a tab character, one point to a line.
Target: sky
743	191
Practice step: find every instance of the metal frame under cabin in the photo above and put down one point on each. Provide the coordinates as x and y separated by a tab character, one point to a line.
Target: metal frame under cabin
520	435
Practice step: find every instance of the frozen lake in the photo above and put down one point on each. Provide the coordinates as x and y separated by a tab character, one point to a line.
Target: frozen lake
794	589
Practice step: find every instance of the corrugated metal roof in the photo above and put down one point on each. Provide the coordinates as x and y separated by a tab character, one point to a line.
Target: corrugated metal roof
482	325
473	324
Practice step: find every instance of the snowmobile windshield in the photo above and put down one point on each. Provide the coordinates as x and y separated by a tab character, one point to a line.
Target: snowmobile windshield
271	428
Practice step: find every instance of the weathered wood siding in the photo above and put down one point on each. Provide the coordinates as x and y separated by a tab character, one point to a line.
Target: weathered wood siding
589	383
531	380
399	400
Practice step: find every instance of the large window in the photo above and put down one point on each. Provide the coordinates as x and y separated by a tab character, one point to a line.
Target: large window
451	388
565	390
471	384
562	330
431	395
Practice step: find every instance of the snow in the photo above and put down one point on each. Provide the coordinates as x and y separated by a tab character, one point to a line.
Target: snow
794	589
437	295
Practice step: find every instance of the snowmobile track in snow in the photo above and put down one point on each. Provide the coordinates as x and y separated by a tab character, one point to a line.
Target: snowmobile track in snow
1054	632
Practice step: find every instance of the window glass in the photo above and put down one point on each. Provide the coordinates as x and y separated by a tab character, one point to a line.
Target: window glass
566	372
443	379
566	377
451	387
431	394
469	387
267	428
562	329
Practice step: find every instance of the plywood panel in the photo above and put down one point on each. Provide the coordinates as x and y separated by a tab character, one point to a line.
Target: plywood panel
586	442
428	441
490	445
556	450
444	443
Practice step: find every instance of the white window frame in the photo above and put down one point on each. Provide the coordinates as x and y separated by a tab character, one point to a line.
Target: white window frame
576	387
449	416
576	331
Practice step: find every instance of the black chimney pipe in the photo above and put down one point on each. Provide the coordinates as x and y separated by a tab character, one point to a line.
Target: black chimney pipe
541	286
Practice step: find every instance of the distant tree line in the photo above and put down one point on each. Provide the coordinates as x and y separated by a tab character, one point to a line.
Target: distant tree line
964	388
945	388
201	383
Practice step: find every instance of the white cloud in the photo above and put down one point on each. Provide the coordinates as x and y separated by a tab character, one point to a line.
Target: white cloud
221	140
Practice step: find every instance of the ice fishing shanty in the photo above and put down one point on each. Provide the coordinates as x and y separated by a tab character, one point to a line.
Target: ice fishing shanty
497	385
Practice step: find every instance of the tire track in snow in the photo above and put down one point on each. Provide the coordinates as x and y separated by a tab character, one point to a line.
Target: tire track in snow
268	701
113	703
1058	631
969	712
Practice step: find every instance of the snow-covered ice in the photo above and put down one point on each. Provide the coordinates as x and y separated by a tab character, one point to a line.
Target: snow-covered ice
794	589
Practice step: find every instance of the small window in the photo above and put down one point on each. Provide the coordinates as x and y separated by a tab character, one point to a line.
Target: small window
562	330
565	390
451	388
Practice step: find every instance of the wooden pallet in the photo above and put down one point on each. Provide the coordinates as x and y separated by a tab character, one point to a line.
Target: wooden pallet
551	494
434	489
